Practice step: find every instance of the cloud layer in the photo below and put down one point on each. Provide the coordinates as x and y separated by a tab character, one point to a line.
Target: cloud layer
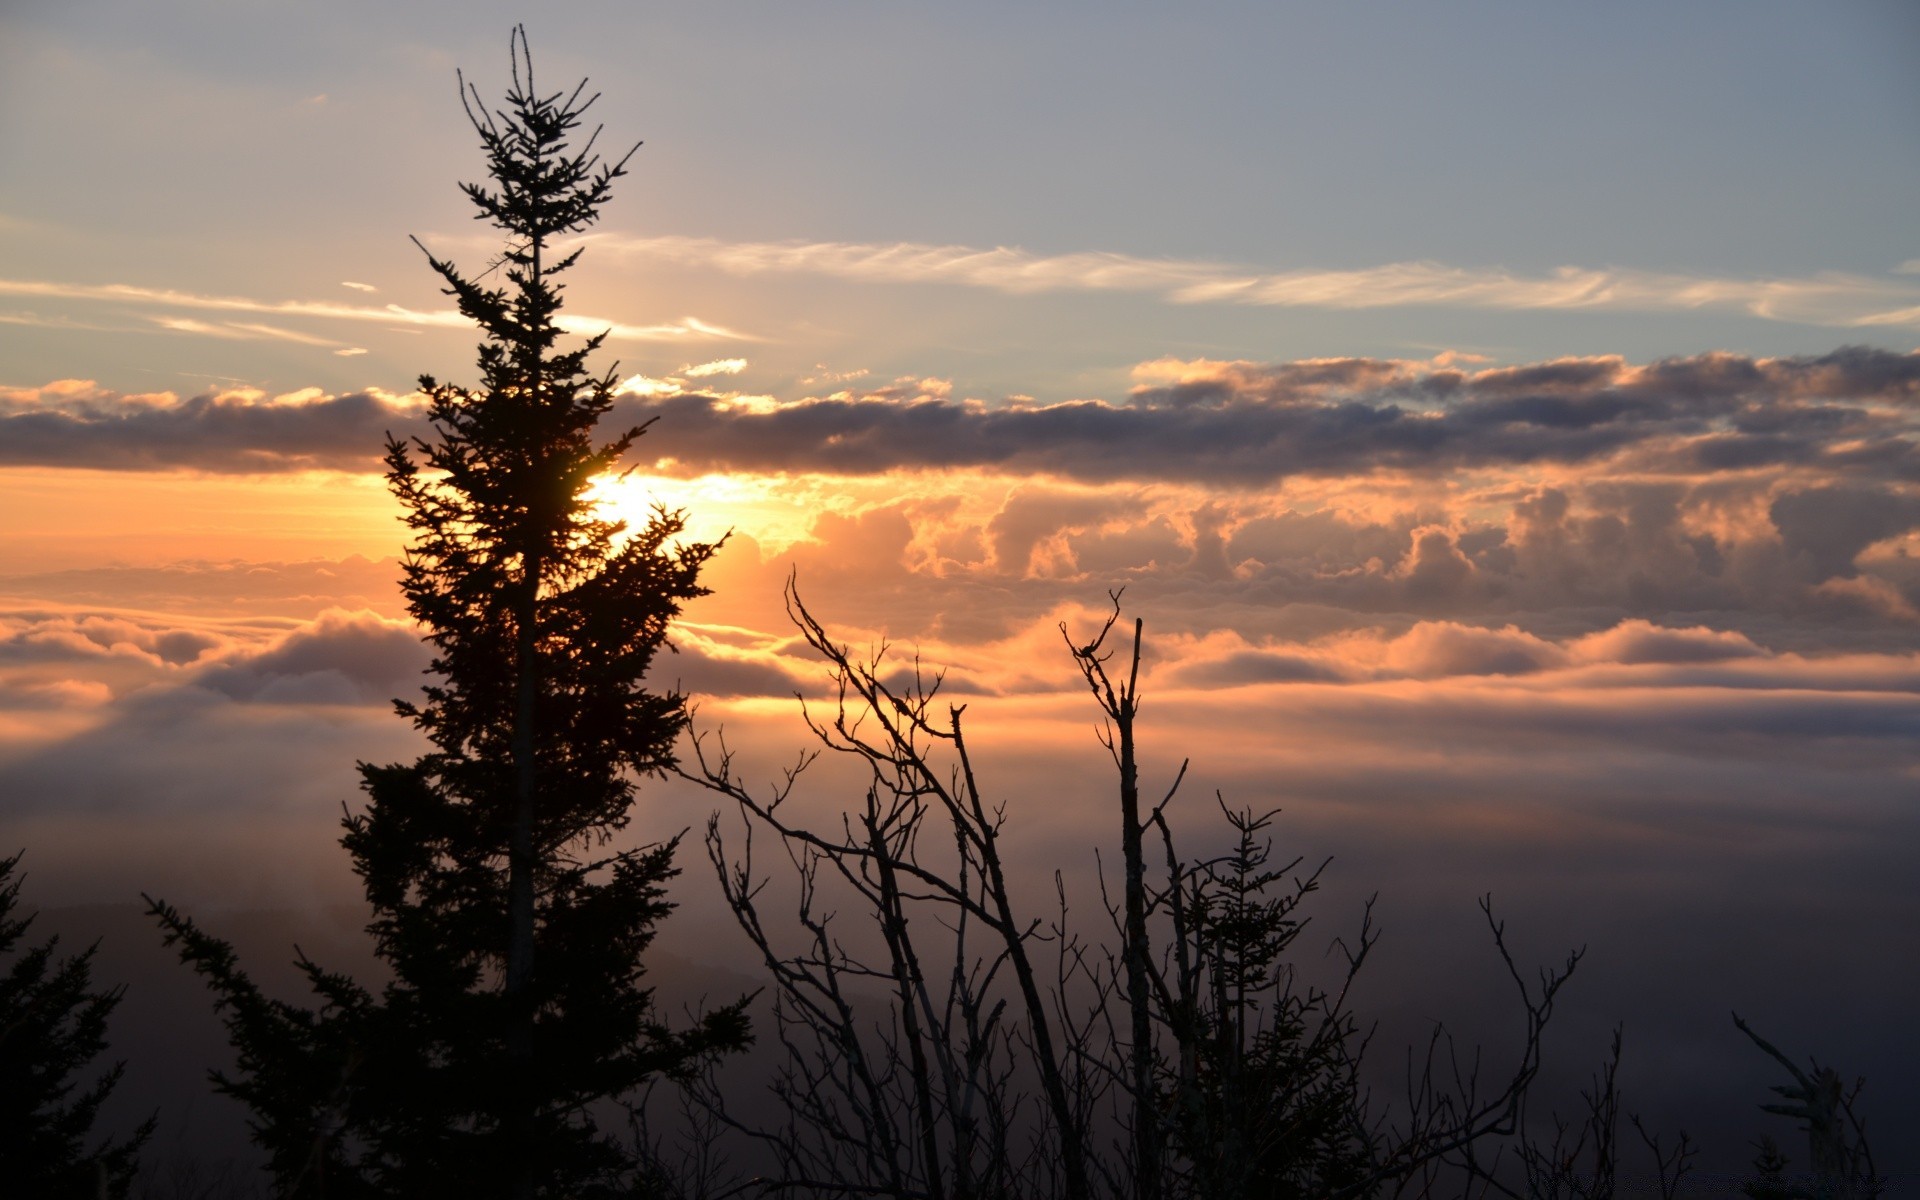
1830	298
685	329
1849	412
1614	640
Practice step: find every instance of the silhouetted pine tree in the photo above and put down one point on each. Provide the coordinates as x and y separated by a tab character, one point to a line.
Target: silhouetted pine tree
514	934
53	1024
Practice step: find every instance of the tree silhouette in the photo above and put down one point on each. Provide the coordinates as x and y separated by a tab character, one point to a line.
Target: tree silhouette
514	934
52	1025
937	1038
1837	1149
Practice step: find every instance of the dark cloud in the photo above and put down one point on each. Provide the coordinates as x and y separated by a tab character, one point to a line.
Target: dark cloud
1251	666
1640	642
1436	569
1152	544
697	674
1245	424
1830	526
1439	649
1236	423
1033	515
226	432
343	658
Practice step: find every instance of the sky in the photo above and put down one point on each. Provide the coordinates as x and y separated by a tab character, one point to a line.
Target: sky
1504	418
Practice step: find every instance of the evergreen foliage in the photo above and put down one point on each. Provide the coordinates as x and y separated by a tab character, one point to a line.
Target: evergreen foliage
1769	1173
1263	1097
514	934
53	1024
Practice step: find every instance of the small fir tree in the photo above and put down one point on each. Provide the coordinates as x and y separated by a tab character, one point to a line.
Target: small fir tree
513	932
53	1025
1769	1174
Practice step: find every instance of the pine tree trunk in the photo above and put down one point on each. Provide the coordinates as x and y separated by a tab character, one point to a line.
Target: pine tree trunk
520	906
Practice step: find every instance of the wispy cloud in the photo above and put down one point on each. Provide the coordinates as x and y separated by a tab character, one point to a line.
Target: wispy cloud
683	329
121	293
36	321
241	330
686	329
722	366
1827	298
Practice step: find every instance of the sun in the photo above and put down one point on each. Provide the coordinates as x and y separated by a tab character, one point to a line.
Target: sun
714	505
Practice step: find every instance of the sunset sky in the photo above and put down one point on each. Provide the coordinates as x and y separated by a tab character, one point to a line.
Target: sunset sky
1505	417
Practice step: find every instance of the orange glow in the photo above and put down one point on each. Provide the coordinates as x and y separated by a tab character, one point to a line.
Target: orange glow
64	519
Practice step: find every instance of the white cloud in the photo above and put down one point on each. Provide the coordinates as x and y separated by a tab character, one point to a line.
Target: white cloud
240	330
720	366
1827	298
36	321
646	385
276	333
168	297
684	329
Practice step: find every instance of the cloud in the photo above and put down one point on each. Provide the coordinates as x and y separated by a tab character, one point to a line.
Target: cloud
1829	298
1636	642
1851	412
1435	649
722	366
1634	653
686	329
966	559
646	385
36	321
1475	629
133	294
1251	666
341	658
1715	845
240	329
1829	526
1290	502
703	668
30	636
683	329
64	670
74	424
37	694
1034	530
